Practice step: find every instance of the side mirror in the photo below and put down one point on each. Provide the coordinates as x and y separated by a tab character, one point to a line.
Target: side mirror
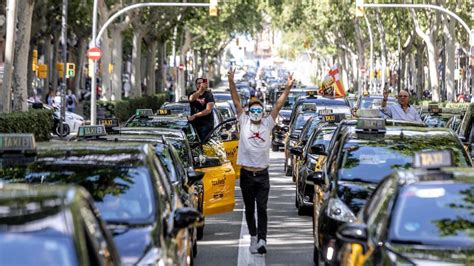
228	126
186	217
194	176
318	149
297	151
316	178
353	233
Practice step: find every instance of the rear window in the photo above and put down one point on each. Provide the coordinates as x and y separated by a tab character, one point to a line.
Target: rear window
434	213
382	155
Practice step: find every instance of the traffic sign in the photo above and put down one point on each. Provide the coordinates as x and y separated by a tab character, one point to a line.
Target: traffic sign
94	53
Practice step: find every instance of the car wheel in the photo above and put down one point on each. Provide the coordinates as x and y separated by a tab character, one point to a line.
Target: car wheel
66	130
200	230
288	171
275	148
195	249
296	198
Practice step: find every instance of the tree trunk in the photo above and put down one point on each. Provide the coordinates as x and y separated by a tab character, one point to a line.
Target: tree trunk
106	60
30	73
117	50
136	65
47	48
53	72
160	77
360	56
150	68
22	47
383	47
433	72
81	51
450	50
420	70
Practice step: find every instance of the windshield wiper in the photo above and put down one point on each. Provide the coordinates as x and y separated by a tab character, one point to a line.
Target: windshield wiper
407	242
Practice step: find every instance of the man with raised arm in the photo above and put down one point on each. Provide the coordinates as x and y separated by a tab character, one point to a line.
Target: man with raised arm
401	111
254	156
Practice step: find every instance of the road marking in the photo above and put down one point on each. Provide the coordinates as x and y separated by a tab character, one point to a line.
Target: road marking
244	256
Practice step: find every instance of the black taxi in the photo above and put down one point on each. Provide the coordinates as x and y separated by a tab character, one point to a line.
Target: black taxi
212	156
130	190
361	153
52	225
308	166
305	108
420	216
465	129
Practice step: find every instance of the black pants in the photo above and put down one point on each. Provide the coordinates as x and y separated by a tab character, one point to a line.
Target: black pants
203	131
255	188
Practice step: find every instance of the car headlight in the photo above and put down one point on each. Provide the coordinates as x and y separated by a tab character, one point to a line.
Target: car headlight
152	257
337	210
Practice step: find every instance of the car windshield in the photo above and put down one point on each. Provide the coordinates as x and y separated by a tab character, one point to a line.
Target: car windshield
225	112
309	128
436	121
120	193
182	149
165	157
434	214
381	155
324	137
302	118
178	108
44	247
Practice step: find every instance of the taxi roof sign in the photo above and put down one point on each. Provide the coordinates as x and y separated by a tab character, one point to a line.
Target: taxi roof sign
369	125
91	131
311	93
324	111
163	112
333	118
108	122
434	109
143	112
17	142
433	159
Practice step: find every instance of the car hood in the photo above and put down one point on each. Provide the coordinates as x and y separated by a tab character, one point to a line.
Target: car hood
429	255
354	194
133	242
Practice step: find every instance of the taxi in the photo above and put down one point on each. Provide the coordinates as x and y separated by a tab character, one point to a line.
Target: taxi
53	225
465	130
421	216
212	156
280	129
361	153
129	187
304	108
186	182
308	168
434	116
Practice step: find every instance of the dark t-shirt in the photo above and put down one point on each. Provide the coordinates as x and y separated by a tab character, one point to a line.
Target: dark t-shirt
200	105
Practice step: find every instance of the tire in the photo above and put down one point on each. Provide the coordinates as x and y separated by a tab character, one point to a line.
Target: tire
275	148
296	198
200	230
66	130
316	255
302	210
195	249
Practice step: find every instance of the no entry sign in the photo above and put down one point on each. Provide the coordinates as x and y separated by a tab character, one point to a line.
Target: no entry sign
94	53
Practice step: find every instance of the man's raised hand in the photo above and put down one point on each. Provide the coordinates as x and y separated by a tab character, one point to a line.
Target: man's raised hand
230	74
291	81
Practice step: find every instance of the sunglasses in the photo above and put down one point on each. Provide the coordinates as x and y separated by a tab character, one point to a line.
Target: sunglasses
256	110
402	96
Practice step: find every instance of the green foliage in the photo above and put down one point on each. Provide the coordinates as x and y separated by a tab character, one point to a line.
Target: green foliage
126	108
38	122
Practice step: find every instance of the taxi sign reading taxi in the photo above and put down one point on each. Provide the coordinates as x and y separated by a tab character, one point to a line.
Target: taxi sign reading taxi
17	142
164	112
433	159
311	93
144	112
333	118
91	131
109	122
371	124
325	112
94	53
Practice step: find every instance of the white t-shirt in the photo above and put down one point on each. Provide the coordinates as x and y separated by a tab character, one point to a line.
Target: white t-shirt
255	142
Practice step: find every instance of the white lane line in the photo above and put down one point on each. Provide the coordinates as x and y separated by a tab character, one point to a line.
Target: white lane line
244	257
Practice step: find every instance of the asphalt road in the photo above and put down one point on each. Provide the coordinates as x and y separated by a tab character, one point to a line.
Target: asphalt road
289	239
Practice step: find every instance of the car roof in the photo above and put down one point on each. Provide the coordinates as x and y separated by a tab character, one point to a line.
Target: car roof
406	130
102	153
377	97
450	174
161	131
322	100
19	200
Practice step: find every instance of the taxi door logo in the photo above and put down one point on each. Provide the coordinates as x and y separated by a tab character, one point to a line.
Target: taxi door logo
219	182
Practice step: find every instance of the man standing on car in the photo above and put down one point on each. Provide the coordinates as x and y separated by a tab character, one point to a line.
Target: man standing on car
202	102
253	155
401	111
